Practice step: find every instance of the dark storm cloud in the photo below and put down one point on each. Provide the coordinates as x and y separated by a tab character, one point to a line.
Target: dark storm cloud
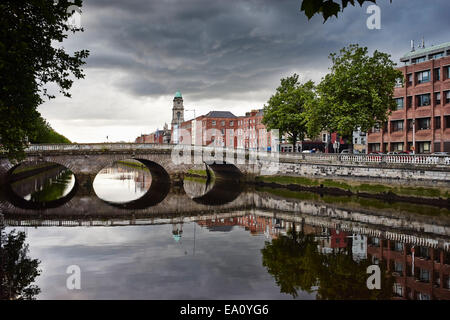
214	48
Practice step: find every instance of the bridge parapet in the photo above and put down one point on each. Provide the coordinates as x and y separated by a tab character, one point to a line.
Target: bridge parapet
420	159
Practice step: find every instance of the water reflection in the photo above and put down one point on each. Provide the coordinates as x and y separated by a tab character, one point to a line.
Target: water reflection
122	182
40	185
240	255
17	270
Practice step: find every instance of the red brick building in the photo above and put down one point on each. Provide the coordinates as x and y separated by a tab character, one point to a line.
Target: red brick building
422	116
420	272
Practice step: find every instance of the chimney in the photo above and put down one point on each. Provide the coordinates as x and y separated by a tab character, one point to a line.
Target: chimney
412	45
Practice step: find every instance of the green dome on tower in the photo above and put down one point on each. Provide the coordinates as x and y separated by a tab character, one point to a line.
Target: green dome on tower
178	95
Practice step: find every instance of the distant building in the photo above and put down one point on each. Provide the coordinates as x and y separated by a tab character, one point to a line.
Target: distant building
359	141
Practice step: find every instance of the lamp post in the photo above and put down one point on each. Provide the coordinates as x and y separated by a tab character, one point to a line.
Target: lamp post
414	136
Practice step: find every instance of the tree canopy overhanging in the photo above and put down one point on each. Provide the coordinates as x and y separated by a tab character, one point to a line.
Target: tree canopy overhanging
30	58
328	8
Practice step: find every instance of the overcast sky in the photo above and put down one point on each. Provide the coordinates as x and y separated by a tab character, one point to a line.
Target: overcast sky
221	55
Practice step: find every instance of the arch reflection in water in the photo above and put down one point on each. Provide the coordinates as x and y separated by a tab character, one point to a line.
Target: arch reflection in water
217	188
132	184
40	185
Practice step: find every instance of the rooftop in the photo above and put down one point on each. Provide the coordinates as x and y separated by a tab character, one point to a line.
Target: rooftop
444	47
220	114
178	94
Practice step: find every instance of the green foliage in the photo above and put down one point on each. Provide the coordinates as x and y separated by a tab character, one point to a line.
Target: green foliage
357	93
296	264
17	270
44	133
285	110
30	57
328	8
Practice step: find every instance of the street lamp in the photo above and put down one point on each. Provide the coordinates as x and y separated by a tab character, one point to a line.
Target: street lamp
414	136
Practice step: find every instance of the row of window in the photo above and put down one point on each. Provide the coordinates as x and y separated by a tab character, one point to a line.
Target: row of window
420	124
425	76
421	147
422	100
432	56
231	123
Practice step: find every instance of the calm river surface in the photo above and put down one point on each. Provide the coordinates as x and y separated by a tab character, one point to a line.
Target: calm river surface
252	244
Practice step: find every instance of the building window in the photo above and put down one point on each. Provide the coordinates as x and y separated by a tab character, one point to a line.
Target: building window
447	72
222	131
437	122
437	55
399	83
408	102
423	76
424	275
398	246
397	125
398	267
409	78
399	102
423	100
214	122
437	74
447	96
437	98
374	147
447	121
423	124
397	146
423	296
424	147
222	123
232	123
418	60
398	289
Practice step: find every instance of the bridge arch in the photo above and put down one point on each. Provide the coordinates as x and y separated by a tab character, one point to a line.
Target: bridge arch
226	186
21	202
157	192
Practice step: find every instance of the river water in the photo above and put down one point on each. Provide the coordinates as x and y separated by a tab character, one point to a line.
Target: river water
214	240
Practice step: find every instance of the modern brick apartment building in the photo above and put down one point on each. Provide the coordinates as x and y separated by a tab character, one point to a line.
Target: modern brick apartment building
423	103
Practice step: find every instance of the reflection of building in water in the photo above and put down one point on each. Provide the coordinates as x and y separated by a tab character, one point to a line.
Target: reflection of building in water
424	275
143	180
223	225
359	247
420	272
177	231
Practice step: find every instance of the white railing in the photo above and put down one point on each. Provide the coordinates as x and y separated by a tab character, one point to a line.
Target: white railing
420	159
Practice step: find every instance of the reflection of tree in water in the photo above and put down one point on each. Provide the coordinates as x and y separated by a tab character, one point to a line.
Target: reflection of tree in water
296	264
17	270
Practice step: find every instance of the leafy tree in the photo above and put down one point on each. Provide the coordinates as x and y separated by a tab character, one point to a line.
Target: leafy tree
357	93
328	8
44	133
285	110
17	270
30	59
293	262
296	264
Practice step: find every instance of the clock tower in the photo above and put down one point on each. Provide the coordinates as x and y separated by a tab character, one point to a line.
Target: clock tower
177	111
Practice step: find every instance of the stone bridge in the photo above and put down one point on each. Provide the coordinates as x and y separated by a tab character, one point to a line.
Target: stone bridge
174	161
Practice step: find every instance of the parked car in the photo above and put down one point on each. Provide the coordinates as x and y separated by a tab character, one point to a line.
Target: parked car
346	151
393	152
441	153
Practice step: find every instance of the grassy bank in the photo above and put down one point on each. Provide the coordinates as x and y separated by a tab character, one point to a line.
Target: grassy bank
355	187
355	202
